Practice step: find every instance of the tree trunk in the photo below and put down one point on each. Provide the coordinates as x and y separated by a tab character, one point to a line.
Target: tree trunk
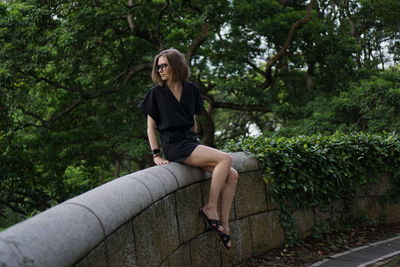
208	128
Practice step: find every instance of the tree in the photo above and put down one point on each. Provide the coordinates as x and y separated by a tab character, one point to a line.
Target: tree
369	105
73	72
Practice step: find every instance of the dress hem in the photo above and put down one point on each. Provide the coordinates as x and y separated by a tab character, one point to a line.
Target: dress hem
180	160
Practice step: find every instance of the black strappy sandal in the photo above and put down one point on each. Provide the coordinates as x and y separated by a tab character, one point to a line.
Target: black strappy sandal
215	224
225	238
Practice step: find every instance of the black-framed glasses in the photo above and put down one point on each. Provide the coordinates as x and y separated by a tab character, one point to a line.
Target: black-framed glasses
161	67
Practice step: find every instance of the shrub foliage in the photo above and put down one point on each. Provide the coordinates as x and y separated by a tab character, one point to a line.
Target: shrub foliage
309	171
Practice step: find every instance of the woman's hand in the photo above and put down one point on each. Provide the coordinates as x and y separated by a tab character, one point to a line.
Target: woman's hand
159	160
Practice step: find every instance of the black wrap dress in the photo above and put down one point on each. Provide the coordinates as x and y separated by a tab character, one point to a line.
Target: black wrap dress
174	119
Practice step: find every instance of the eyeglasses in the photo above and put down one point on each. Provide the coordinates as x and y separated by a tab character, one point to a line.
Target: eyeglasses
161	67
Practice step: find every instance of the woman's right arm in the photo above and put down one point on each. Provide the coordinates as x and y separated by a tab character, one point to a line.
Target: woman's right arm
151	133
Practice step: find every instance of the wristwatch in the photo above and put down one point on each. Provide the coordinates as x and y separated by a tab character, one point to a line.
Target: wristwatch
156	152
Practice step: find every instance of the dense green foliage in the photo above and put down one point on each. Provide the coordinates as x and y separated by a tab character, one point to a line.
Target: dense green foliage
369	105
73	72
312	171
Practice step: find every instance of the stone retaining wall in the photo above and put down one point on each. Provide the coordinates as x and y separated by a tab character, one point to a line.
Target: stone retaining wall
150	218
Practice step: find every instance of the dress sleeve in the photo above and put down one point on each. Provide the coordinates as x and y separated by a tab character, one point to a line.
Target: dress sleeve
198	102
149	105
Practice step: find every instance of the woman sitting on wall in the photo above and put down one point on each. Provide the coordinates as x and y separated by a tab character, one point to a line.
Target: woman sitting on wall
171	107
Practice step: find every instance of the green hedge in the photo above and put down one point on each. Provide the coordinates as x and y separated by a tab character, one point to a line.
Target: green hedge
309	171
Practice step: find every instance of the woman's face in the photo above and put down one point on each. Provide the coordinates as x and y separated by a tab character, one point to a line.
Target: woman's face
164	69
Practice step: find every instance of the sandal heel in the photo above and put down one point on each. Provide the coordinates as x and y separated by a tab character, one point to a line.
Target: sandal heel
214	224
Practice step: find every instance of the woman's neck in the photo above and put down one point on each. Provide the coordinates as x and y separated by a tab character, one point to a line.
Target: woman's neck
174	85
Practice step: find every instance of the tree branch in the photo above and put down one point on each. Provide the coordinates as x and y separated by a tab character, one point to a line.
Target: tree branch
31	114
122	80
67	110
289	38
163	9
132	5
235	106
198	41
136	31
353	28
194	7
58	85
119	83
118	86
257	69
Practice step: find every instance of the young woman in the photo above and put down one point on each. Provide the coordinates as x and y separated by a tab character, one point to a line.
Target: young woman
171	107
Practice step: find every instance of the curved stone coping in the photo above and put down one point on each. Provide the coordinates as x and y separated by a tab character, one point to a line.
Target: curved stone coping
56	237
62	235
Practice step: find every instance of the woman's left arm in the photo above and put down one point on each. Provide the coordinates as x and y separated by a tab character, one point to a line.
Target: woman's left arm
194	127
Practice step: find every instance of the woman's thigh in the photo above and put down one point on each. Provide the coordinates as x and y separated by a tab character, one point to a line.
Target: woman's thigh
205	157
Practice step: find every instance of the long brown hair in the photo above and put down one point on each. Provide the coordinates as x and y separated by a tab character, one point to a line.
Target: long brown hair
176	61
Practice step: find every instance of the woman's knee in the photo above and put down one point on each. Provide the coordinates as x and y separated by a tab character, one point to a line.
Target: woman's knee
233	175
227	159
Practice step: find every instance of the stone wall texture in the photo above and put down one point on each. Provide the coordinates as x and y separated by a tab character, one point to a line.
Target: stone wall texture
151	218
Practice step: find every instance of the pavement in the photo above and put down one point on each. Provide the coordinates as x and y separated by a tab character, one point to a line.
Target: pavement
363	256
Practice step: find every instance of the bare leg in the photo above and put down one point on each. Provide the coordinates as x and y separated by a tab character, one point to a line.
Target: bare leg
227	195
205	157
223	181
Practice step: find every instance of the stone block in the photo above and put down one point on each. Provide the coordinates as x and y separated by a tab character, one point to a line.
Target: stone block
59	236
188	203
185	175
181	257
10	256
146	238
205	187
272	205
266	231
367	206
232	215
97	257
205	251
121	247
391	212
244	162
159	182
167	225
156	232
115	202
205	190
330	213
360	191
250	195
168	178
241	243
379	188
304	220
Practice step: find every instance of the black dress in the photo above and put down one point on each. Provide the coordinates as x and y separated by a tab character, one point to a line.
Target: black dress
174	119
